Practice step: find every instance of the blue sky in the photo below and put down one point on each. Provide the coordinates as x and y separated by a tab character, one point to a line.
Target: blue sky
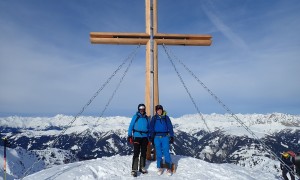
48	65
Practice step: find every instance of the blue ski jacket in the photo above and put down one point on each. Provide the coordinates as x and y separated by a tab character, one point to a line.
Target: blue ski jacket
161	126
139	126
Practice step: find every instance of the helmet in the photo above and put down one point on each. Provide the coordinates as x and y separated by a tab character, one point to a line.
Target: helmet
141	106
157	107
285	155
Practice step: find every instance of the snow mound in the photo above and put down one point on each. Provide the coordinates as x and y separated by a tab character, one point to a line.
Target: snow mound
119	167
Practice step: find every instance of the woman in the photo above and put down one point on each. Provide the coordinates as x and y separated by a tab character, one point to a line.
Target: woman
161	131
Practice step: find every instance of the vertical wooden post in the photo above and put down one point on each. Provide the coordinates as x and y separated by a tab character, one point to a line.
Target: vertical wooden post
155	58
149	71
148	16
155	78
154	18
148	59
148	79
151	22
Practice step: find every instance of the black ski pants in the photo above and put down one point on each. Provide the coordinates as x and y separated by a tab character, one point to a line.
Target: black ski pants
285	170
139	147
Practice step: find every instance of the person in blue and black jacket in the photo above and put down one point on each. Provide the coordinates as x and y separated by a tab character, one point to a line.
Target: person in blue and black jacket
288	164
161	133
138	134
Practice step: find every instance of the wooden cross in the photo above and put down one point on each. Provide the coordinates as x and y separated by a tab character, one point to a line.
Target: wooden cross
151	38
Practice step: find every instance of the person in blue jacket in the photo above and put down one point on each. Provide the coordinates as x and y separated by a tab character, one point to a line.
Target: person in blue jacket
161	132
138	134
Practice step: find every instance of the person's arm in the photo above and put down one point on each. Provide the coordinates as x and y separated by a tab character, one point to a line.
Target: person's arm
151	129
170	126
130	128
148	127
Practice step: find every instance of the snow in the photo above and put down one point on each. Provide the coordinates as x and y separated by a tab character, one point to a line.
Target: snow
18	161
260	124
119	167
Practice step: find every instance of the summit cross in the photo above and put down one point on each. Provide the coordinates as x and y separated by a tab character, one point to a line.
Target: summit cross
151	38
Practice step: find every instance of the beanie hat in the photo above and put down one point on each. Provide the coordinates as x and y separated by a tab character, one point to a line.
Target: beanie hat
159	107
141	106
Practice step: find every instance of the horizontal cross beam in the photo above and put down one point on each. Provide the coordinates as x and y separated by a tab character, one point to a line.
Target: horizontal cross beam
143	38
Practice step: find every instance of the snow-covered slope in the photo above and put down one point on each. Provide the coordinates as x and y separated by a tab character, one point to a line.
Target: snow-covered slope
100	137
119	167
18	162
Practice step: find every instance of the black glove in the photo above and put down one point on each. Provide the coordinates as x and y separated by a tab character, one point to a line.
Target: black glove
129	139
171	140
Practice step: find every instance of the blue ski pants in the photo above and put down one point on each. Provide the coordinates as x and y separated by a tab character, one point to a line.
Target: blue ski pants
162	147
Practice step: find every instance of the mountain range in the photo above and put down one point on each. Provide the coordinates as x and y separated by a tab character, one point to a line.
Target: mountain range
53	141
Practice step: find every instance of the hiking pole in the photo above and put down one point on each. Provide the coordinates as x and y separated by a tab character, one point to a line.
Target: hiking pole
4	166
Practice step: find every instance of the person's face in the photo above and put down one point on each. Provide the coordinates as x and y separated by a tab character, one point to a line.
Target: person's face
159	111
142	111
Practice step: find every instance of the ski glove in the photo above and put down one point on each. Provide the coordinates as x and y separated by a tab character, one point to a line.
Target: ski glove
129	139
171	140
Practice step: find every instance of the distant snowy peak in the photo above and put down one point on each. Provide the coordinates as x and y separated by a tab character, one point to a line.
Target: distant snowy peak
189	123
249	119
119	167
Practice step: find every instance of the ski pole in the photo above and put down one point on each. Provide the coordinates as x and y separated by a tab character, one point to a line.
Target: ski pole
4	166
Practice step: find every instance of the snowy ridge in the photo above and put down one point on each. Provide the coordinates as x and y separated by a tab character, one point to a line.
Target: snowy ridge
118	167
261	124
106	137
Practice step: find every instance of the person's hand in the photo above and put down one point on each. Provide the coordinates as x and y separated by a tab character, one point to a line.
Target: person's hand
150	139
171	140
129	139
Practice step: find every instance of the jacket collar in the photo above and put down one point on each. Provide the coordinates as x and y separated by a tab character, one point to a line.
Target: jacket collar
139	114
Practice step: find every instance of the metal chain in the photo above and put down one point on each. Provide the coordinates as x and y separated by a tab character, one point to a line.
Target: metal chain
266	147
192	99
130	56
109	101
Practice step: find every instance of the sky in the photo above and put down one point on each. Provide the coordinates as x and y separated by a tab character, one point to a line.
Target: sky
48	65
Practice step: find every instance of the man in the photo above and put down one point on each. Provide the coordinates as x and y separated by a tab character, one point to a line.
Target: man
288	166
161	132
138	135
